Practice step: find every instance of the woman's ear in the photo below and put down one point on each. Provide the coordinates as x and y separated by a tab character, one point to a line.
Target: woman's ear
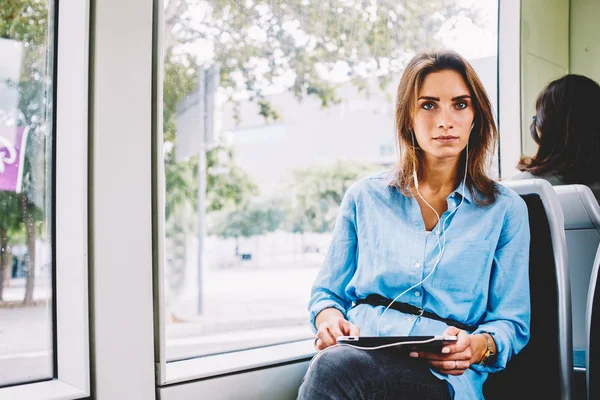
534	132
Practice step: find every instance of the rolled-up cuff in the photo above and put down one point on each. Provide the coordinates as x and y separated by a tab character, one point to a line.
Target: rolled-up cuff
500	359
320	306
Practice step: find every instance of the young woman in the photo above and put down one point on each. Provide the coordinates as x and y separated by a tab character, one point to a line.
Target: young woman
436	233
567	130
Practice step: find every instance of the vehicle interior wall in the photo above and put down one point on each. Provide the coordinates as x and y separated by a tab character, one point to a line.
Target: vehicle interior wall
544	55
584	49
559	40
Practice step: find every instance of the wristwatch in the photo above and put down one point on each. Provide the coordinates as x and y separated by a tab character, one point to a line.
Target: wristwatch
489	353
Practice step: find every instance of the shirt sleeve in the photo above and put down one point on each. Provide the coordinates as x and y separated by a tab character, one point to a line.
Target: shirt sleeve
508	312
337	270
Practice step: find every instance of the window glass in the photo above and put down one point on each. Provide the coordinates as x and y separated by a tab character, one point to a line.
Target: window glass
26	43
272	109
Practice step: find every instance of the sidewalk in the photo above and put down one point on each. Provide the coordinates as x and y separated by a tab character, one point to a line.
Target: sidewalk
15	293
241	308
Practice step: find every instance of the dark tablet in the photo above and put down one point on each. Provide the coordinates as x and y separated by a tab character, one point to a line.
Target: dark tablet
418	343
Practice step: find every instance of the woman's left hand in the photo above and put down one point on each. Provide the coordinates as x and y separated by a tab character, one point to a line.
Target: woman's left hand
454	359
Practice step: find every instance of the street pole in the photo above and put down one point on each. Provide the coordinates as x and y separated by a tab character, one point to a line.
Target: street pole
201	181
208	83
201	219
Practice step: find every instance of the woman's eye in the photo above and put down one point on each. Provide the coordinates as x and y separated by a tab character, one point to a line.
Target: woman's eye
427	106
461	105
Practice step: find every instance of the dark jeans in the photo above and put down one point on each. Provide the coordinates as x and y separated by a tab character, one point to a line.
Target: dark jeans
346	373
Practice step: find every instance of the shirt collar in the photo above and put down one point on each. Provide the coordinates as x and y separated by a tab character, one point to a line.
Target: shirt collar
459	191
392	176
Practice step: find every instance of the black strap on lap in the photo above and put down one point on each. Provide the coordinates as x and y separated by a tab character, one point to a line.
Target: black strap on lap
378	300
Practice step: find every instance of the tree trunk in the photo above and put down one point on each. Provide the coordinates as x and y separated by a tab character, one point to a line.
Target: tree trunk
30	229
3	259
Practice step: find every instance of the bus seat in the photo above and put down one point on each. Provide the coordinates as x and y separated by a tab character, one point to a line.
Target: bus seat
545	365
593	331
582	228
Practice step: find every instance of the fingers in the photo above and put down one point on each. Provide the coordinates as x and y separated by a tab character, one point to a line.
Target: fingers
325	336
349	329
451	331
451	367
462	344
452	359
336	330
354	330
329	331
442	357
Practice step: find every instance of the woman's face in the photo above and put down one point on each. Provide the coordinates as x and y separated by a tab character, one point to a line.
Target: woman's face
443	116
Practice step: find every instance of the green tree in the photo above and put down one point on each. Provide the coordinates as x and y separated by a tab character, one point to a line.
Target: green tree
27	22
226	183
228	186
307	39
318	191
253	221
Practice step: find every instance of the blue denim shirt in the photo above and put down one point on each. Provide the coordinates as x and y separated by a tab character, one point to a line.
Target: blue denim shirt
380	245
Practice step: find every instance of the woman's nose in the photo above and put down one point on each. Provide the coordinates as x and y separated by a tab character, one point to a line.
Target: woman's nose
445	119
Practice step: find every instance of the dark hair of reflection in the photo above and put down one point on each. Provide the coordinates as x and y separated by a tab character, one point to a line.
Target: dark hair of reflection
483	136
566	128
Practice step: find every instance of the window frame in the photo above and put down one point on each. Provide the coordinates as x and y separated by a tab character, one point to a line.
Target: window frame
120	200
509	86
69	211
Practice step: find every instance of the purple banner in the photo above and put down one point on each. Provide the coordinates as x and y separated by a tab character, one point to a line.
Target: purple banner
12	155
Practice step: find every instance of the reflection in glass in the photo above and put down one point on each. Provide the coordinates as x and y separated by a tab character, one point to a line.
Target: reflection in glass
271	110
26	43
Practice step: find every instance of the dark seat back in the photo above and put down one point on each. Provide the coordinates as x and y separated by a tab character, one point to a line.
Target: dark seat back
545	366
593	333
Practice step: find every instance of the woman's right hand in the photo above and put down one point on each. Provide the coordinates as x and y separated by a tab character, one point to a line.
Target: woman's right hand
331	324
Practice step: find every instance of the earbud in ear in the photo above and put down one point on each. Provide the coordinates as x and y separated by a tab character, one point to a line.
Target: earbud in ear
473	125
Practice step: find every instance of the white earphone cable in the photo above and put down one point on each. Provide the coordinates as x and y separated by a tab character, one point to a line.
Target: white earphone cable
441	247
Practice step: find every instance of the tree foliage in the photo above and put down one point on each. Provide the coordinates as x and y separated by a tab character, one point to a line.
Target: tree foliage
295	45
226	184
253	221
24	20
318	191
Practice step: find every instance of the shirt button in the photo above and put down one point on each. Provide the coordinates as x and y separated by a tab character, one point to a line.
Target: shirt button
417	294
417	265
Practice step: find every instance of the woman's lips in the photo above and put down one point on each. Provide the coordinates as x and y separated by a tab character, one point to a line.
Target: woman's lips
445	139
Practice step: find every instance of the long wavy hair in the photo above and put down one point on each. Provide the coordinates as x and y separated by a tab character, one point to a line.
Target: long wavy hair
567	130
483	135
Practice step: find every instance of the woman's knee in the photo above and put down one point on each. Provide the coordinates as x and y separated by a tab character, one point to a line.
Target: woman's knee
341	362
336	373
